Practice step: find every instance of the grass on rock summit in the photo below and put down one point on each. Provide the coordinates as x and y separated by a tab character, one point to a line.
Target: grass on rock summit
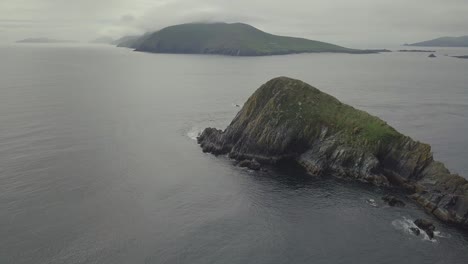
306	109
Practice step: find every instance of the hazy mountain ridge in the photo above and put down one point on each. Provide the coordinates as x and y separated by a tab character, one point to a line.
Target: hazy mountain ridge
444	42
45	40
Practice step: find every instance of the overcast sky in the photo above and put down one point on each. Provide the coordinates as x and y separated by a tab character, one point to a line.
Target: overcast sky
355	23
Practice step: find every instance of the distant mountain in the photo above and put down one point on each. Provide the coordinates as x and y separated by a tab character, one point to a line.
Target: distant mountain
44	40
103	40
444	42
228	39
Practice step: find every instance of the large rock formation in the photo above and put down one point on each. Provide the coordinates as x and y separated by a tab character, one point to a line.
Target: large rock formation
287	119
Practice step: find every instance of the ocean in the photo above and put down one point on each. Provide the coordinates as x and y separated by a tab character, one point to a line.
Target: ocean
99	162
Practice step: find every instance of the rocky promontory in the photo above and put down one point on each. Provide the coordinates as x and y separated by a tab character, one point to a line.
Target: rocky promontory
289	120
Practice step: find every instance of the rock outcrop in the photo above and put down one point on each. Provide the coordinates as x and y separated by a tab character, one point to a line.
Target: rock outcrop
250	164
393	201
426	226
287	119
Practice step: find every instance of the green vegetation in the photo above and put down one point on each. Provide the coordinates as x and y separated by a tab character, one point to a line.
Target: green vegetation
307	110
229	39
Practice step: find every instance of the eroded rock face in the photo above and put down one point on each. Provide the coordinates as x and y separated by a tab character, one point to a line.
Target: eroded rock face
287	119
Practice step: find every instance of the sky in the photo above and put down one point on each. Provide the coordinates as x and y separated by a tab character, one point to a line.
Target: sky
354	23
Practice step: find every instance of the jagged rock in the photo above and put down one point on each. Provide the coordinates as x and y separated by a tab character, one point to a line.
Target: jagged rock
250	164
393	201
426	226
289	120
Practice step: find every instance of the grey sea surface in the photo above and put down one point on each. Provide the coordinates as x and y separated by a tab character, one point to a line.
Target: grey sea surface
99	163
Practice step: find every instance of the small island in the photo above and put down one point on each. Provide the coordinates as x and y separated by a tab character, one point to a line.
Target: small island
289	120
461	57
405	50
126	41
235	39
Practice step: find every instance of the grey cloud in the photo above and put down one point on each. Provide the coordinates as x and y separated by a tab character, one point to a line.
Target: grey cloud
127	18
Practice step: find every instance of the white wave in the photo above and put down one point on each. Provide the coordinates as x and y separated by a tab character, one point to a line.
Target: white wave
407	224
441	234
194	132
371	202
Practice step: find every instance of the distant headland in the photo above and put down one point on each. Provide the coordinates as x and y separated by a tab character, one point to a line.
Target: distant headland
236	39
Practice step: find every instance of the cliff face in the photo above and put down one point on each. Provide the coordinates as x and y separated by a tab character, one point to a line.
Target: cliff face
287	119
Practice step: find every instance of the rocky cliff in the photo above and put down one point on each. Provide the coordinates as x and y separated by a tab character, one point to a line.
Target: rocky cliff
287	119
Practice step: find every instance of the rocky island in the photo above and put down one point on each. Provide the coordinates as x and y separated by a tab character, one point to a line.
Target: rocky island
405	50
289	120
236	39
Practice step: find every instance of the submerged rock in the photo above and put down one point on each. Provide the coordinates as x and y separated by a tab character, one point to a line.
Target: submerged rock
289	120
250	164
393	201
426	226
